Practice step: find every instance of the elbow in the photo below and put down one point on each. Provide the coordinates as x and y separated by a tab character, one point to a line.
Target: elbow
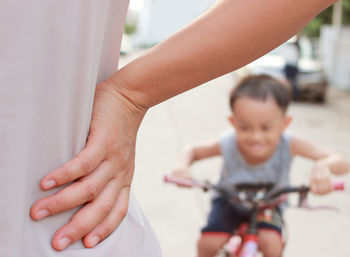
340	165
347	167
190	154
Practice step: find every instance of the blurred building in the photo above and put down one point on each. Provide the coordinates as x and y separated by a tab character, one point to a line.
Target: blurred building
158	19
335	50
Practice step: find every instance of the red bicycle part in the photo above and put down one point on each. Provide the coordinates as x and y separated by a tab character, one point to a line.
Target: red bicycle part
339	186
250	246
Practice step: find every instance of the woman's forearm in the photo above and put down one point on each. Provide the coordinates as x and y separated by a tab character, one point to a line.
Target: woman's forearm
230	35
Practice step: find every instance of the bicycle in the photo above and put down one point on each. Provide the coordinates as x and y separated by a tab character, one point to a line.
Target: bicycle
255	198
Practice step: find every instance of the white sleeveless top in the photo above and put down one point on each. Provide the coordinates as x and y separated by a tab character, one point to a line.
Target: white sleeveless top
52	55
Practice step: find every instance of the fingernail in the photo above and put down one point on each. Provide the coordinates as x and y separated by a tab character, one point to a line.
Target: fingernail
49	184
42	214
94	241
63	243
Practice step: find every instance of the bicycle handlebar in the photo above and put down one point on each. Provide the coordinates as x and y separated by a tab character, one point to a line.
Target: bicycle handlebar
189	182
235	194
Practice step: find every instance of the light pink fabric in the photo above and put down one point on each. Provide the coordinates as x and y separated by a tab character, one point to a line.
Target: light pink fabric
52	55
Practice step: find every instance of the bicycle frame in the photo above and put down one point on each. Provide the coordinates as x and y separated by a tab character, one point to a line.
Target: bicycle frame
243	243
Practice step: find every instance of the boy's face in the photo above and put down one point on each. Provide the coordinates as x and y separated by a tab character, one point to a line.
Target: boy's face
258	125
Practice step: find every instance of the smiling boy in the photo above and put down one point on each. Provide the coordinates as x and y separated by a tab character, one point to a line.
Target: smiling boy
257	150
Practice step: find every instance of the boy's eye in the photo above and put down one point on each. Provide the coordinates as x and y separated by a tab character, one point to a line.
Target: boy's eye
244	128
266	128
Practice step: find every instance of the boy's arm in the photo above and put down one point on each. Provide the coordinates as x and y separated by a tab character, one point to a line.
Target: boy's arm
192	154
326	162
336	162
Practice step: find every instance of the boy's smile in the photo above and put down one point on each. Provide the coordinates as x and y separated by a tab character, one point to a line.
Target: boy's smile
259	125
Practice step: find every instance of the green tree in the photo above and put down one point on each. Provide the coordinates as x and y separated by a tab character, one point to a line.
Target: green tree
129	29
346	12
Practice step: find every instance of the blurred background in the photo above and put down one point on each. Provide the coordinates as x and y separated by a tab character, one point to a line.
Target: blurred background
316	62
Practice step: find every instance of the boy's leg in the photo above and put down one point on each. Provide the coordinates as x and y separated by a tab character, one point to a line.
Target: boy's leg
270	233
270	243
209	243
223	220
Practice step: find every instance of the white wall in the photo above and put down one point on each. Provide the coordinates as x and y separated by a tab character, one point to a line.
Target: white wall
159	19
335	54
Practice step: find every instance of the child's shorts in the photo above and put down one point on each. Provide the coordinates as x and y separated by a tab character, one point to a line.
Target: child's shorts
226	218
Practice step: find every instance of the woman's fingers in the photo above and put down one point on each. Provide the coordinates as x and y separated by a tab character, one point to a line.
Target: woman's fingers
90	216
84	163
105	228
97	174
80	192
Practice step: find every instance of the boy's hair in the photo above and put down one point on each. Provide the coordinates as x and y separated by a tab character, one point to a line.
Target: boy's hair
261	87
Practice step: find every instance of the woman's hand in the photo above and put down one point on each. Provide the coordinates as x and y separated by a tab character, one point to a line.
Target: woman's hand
101	173
321	180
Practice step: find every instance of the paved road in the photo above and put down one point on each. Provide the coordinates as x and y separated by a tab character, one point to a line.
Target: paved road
177	214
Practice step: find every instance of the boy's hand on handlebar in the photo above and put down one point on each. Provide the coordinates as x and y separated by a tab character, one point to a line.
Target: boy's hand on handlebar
183	172
321	180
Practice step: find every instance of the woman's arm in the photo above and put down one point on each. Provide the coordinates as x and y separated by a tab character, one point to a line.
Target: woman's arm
230	35
227	37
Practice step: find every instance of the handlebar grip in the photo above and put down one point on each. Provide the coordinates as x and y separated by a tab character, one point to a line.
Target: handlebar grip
178	181
339	186
187	182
